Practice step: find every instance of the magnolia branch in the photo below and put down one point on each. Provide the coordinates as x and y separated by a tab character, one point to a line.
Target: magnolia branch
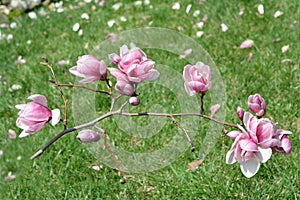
120	112
46	63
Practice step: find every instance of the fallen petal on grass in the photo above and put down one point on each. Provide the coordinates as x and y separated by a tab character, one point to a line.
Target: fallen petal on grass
193	166
260	9
12	134
278	13
224	27
176	6
188	8
76	27
285	48
10	176
247	44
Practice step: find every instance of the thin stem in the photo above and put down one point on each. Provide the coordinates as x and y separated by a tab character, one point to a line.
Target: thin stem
109	86
83	87
186	133
202	103
179	114
113	102
111	152
46	63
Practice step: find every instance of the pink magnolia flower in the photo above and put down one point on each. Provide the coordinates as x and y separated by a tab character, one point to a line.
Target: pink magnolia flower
89	68
88	135
247	44
197	78
256	143
283	145
248	154
34	115
135	64
257	105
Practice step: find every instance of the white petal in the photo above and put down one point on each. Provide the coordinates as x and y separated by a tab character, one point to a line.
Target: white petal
176	6
224	27
264	154
55	117
20	106
261	9
76	27
250	167
111	22
199	33
230	159
23	134
39	99
188	8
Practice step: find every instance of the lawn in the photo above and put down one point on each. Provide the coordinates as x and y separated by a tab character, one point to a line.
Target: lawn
65	171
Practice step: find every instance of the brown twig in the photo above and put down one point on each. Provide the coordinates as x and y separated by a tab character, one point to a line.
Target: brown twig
123	180
46	63
186	133
83	87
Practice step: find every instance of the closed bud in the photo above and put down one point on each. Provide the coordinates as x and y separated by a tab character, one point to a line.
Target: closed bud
240	113
257	105
134	101
87	136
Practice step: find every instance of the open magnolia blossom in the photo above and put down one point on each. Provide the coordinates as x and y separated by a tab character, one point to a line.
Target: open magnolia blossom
197	78
134	64
134	68
34	115
89	68
255	142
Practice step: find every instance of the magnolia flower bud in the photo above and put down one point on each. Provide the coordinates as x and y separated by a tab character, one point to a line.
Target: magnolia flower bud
87	136
134	101
240	113
34	115
257	105
197	78
90	69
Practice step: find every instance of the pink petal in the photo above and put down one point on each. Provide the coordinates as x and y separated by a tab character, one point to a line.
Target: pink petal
186	73
247	44
114	59
119	75
74	71
286	144
248	145
39	99
233	134
214	109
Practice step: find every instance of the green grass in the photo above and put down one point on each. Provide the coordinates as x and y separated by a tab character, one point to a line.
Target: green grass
63	172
